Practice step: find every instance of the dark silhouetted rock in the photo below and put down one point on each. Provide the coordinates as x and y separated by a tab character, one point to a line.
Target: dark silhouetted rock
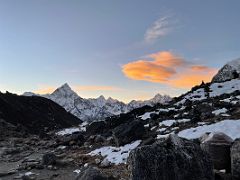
170	159
49	159
128	132
235	159
218	146
34	114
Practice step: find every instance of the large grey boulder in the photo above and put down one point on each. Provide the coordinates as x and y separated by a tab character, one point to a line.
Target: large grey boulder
128	132
171	159
218	146
235	159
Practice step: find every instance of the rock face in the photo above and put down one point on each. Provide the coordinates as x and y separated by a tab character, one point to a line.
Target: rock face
230	71
218	146
128	132
171	159
235	159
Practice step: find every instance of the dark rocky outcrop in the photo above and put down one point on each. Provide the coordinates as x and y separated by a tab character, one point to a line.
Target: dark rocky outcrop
128	132
235	160
49	159
34	114
218	146
171	159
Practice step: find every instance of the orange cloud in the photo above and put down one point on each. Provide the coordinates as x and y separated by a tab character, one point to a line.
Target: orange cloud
96	88
45	90
168	68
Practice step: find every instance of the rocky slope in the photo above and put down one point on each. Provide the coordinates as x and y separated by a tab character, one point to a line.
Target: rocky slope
96	109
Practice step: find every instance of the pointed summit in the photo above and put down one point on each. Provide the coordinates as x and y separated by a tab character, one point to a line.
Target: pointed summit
64	91
229	71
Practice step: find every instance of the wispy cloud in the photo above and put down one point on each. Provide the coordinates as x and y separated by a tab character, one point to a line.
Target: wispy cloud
168	68
161	27
44	89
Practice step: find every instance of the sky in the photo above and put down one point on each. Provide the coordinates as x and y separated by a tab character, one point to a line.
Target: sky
119	48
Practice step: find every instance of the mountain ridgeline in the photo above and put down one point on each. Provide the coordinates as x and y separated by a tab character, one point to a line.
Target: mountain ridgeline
99	108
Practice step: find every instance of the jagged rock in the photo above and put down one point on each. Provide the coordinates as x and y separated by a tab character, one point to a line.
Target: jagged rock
218	146
235	159
92	173
128	132
170	159
96	127
105	163
49	159
230	71
72	139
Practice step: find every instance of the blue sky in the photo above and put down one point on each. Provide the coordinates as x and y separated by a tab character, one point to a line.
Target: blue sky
44	44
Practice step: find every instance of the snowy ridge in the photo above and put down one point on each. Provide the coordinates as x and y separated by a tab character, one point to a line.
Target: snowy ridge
96	109
230	71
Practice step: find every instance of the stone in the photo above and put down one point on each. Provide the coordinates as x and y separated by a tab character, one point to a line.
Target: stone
235	159
49	159
171	159
105	163
128	132
217	145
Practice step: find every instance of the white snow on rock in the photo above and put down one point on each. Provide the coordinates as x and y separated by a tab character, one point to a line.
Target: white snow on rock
229	127
146	115
224	87
170	122
220	111
167	122
68	131
116	155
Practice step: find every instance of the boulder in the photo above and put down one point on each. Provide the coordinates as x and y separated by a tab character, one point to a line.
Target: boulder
218	146
235	159
128	132
49	159
72	139
96	127
171	159
92	173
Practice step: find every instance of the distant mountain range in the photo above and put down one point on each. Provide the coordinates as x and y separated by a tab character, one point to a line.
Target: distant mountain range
96	109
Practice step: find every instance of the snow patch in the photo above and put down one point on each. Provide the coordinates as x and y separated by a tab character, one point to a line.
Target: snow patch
116	155
229	127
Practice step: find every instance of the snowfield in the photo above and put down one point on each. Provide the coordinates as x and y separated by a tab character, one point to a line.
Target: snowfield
116	155
229	127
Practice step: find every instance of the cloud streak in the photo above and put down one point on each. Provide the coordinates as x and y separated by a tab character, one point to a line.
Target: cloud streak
161	27
168	68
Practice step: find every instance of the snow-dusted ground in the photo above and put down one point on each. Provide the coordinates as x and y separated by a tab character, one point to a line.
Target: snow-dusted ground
216	89
229	127
219	111
81	128
116	155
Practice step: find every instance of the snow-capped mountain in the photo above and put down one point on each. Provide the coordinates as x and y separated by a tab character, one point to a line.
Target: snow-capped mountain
229	71
96	109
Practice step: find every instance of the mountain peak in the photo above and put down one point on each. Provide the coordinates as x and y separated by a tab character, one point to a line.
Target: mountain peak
229	71
65	86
